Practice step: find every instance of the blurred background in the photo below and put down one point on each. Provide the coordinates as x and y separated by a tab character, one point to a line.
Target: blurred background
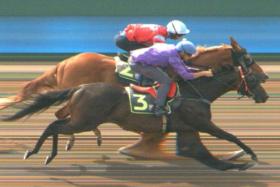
35	35
71	26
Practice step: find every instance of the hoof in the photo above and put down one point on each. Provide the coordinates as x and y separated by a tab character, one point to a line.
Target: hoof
247	166
70	143
254	157
69	146
235	155
27	155
48	160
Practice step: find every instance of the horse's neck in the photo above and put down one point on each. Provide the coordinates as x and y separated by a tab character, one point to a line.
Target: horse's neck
207	88
213	56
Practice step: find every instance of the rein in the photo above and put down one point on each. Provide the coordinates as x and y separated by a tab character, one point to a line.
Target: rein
231	86
196	90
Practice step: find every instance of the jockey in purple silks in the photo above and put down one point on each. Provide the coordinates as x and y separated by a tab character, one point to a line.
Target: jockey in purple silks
151	62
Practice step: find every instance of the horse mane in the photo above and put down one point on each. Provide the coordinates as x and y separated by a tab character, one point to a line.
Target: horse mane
203	50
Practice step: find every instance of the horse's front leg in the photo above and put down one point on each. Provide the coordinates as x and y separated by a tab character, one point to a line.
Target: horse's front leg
233	155
189	145
212	129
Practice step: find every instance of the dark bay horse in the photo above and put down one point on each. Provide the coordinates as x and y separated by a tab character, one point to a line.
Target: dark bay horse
91	67
94	104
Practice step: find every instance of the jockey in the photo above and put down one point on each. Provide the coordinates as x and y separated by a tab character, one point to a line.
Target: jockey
152	61
136	36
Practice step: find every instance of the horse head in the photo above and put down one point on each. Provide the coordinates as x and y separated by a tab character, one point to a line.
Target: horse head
240	54
251	74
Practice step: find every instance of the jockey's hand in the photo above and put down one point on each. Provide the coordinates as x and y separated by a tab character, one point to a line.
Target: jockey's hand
208	73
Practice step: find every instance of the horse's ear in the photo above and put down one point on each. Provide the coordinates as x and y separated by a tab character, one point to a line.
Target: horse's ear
234	43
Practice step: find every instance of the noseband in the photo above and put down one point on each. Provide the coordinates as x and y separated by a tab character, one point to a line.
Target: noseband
243	83
243	88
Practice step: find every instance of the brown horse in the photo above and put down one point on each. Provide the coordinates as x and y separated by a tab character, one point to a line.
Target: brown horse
91	67
94	104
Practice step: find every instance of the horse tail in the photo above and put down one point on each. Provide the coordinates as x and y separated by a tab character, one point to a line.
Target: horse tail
43	102
47	81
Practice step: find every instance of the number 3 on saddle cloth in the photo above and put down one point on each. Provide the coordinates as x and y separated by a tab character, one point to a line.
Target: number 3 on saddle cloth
142	98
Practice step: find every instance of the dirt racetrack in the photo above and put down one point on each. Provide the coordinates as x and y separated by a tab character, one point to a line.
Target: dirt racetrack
258	125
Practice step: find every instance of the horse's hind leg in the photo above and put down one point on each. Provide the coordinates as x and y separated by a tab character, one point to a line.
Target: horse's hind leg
213	130
70	143
54	150
63	112
71	140
190	145
51	130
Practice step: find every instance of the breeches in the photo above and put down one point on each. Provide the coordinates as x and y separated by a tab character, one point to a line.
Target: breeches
156	74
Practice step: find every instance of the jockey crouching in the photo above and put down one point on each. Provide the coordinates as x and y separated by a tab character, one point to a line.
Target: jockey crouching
136	36
151	62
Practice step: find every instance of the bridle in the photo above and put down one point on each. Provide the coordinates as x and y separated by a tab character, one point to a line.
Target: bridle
243	83
244	72
243	88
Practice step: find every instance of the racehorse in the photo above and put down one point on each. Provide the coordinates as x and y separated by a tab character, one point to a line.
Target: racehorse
94	104
91	67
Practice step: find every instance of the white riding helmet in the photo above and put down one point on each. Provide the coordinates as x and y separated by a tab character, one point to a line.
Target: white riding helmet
177	27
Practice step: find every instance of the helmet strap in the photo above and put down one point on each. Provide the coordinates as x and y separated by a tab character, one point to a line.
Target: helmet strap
174	28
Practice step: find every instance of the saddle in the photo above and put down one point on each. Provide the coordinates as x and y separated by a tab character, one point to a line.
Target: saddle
127	76
142	91
153	90
142	99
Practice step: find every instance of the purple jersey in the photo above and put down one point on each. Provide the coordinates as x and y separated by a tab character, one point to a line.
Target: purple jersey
162	55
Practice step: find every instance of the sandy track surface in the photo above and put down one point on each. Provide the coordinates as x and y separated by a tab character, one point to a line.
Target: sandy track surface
258	125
